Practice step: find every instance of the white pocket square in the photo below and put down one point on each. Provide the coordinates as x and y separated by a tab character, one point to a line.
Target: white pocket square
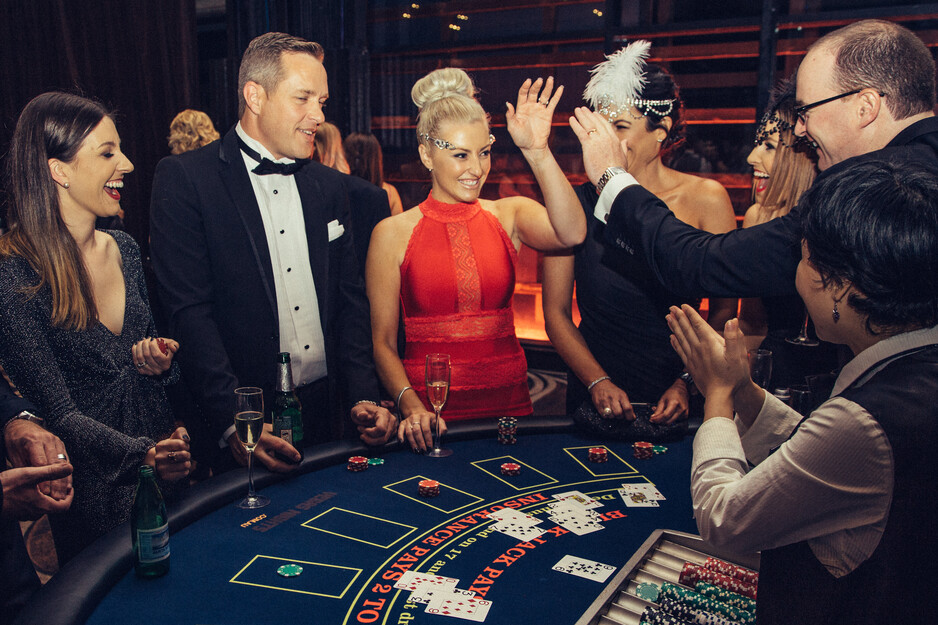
335	229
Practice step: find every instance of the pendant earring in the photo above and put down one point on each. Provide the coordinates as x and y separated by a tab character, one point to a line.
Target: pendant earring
836	314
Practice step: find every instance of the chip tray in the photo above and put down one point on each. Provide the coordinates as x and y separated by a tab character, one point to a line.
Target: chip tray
658	560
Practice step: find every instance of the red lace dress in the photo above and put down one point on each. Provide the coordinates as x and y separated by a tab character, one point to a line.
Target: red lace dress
457	281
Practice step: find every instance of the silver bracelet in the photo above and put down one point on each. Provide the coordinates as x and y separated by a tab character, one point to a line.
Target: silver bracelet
589	388
401	394
365	401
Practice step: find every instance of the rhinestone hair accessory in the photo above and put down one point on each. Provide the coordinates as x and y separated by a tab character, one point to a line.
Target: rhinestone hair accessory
446	145
771	119
618	81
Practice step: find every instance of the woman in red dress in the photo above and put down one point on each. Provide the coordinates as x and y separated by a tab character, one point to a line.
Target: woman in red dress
449	265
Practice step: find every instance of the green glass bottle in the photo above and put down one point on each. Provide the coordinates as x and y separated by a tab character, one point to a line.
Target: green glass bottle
149	527
287	410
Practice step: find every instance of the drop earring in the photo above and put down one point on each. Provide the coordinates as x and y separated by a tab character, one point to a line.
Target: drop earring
835	315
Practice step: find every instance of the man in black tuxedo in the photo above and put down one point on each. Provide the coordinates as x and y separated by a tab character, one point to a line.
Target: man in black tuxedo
865	91
253	254
39	483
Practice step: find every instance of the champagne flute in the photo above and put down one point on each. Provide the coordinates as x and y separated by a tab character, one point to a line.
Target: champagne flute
760	366
803	339
437	378
249	425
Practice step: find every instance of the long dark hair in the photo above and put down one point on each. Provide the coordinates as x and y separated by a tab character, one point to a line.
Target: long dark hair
52	125
363	153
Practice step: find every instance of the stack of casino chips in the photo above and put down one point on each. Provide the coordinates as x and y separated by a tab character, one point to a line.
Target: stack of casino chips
726	596
357	463
598	454
643	450
741	573
507	430
428	488
693	607
511	468
693	573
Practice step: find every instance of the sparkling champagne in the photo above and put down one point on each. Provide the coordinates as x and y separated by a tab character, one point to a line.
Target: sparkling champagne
437	392
149	527
249	426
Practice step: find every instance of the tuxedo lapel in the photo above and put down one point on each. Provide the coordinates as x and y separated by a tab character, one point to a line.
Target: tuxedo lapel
235	180
317	235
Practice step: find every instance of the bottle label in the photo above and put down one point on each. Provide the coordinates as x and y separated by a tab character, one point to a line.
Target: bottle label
153	545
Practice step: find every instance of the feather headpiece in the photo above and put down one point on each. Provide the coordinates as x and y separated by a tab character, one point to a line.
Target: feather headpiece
618	81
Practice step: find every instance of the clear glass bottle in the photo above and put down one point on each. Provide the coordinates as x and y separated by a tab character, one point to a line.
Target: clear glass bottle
149	527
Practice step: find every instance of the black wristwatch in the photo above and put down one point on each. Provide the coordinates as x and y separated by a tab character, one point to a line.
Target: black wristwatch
688	379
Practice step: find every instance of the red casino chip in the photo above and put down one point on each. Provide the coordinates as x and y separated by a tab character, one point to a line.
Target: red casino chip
643	450
598	454
511	468
357	463
428	488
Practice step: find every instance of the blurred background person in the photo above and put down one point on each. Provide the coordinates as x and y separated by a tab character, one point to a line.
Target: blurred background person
190	130
620	353
363	153
75	321
328	147
784	166
449	265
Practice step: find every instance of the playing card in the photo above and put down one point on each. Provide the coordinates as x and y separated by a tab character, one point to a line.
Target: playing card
411	580
461	606
426	594
587	569
564	511
518	530
581	527
584	501
650	490
516	516
636	499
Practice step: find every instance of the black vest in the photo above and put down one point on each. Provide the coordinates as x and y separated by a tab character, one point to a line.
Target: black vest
899	582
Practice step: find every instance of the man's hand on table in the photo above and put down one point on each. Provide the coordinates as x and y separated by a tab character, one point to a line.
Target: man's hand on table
602	148
30	445
376	424
265	451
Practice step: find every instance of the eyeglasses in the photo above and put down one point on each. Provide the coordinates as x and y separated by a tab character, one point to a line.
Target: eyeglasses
801	110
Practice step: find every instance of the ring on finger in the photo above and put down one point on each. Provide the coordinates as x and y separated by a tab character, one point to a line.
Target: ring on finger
172	456
591	131
141	365
607	411
61	457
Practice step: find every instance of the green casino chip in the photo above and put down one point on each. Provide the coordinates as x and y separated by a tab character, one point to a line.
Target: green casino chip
374	461
289	570
659	449
647	591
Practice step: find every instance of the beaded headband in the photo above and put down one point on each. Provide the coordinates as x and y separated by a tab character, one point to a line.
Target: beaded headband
446	145
617	82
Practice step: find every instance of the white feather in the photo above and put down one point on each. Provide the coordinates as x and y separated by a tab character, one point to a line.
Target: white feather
620	77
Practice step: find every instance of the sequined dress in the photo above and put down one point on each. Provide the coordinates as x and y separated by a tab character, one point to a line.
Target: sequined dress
457	282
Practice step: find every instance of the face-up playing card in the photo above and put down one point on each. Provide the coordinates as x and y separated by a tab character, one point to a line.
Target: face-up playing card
576	496
637	499
461	606
426	594
412	581
650	490
518	530
562	511
587	569
581	527
515	516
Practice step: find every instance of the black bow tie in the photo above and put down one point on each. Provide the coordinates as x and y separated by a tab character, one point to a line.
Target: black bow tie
267	166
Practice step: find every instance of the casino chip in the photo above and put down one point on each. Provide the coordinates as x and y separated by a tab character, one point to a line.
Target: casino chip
507	430
647	591
511	468
659	449
375	461
598	454
357	463
289	570
428	488
643	450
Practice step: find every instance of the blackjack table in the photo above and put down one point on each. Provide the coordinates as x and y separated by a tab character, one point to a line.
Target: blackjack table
352	535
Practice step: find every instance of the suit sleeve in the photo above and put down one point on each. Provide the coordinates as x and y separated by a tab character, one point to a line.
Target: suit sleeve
755	262
11	405
182	266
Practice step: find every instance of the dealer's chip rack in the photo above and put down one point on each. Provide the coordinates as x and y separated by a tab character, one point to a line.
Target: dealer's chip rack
658	560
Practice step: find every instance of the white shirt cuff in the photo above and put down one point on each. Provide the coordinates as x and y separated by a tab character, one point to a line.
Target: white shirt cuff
612	189
223	441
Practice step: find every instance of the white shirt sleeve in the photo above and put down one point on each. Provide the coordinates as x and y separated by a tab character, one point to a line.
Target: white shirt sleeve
834	474
612	189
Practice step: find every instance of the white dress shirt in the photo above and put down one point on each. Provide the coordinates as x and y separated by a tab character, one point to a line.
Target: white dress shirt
831	484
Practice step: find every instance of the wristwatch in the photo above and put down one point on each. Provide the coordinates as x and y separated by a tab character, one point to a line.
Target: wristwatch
688	379
607	176
27	416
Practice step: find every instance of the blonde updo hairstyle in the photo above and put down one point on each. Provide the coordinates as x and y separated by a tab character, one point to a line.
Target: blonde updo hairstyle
445	96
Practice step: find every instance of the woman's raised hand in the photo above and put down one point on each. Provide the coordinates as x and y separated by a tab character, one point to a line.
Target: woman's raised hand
718	365
153	356
529	121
